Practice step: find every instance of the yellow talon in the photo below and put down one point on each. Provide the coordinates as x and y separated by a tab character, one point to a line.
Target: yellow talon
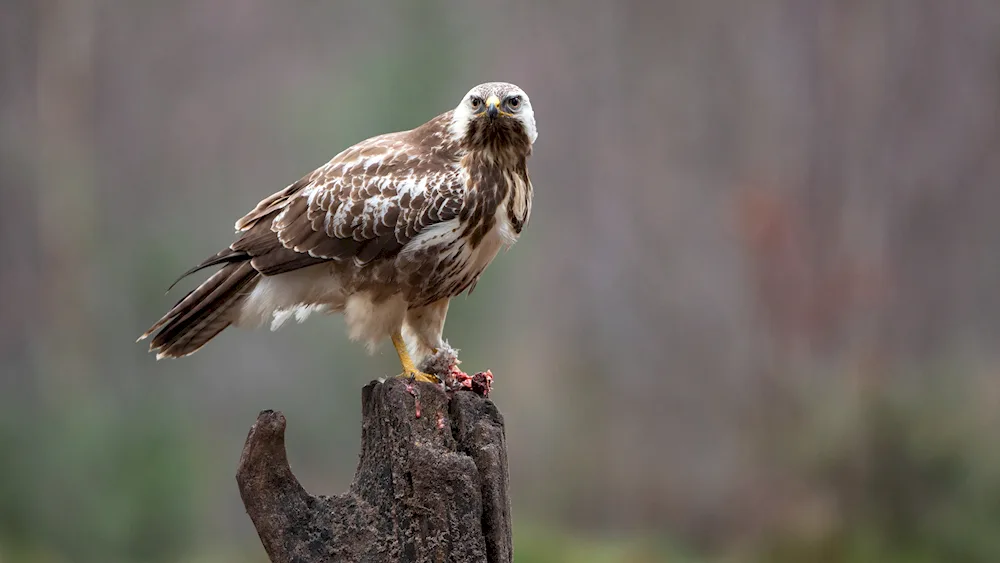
409	370
421	376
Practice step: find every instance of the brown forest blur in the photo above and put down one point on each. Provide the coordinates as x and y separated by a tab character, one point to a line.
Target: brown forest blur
755	316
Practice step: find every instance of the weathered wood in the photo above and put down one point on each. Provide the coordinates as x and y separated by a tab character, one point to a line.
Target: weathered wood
431	484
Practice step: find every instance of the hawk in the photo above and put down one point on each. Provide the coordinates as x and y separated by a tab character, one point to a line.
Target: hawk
386	233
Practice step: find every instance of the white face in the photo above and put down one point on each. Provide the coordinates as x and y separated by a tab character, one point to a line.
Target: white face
501	97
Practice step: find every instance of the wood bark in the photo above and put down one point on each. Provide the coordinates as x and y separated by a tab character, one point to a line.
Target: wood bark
431	484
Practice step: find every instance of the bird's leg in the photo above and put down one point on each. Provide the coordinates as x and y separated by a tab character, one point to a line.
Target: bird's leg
409	370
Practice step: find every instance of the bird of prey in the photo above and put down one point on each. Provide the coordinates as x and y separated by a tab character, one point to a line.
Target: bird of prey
387	233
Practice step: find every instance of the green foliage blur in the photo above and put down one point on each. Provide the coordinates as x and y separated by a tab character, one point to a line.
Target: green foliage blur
106	485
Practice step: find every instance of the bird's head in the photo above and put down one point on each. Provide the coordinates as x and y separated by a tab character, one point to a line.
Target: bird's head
495	115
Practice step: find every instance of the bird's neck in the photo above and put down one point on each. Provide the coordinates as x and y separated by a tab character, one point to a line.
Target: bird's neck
496	156
504	145
500	181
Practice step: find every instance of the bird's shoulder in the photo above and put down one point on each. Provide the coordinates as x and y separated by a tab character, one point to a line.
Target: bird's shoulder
391	166
369	200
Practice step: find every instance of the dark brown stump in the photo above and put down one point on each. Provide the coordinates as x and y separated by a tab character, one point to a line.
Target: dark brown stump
431	484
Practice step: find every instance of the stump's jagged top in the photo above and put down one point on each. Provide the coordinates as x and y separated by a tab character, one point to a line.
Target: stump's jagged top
428	488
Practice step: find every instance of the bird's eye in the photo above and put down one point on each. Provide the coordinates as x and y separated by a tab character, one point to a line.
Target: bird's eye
514	102
476	102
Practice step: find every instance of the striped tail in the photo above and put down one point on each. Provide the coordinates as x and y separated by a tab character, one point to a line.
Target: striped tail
203	313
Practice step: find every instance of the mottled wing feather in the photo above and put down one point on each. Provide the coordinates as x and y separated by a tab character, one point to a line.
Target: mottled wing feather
269	257
365	204
272	203
369	206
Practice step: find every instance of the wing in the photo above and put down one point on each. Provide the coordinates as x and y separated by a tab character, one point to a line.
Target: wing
365	204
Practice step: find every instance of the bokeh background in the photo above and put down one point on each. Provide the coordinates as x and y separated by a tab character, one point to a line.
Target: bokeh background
755	316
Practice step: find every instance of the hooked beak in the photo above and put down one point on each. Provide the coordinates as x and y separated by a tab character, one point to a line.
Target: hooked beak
492	107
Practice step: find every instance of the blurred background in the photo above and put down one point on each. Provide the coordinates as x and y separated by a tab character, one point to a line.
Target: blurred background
755	316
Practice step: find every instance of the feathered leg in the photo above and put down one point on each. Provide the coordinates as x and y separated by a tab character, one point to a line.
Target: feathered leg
423	329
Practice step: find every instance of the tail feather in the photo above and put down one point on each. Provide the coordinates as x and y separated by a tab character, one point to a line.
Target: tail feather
206	299
203	313
192	336
226	256
188	301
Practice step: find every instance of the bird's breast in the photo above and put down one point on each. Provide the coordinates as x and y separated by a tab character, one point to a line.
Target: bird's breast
448	258
444	262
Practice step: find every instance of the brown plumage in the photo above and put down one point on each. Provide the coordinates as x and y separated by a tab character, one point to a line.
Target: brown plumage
387	232
204	312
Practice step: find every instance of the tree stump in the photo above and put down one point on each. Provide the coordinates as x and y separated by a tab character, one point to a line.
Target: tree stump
431	484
